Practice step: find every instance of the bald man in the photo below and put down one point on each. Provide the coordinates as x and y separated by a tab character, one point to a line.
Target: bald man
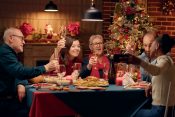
11	69
147	41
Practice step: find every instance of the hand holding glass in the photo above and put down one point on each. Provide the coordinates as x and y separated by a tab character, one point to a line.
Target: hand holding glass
94	61
76	70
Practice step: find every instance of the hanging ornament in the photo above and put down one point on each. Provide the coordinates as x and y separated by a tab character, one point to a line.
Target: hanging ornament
168	6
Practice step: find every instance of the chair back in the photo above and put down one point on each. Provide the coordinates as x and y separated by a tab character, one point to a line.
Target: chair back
170	96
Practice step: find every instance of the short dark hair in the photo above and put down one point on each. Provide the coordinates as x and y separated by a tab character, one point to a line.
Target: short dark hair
165	43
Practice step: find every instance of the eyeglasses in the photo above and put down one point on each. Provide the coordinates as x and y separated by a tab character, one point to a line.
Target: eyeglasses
20	37
99	43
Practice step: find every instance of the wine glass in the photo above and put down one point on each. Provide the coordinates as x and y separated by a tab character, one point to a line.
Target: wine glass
95	59
105	71
61	72
76	70
77	66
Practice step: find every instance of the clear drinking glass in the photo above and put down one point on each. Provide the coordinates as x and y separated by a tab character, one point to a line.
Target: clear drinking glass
61	72
95	58
76	71
63	33
77	66
105	71
55	54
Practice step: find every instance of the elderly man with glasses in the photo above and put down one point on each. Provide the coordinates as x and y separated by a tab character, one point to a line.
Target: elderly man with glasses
11	71
96	64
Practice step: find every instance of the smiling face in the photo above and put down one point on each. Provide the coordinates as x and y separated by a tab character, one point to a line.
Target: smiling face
74	50
97	46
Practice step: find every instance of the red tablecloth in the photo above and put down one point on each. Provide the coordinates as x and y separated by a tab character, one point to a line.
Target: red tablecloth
47	105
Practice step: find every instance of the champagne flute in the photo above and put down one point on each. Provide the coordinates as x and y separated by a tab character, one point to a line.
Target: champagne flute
55	57
63	33
55	54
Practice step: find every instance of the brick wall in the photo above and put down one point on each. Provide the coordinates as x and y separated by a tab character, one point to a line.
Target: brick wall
166	23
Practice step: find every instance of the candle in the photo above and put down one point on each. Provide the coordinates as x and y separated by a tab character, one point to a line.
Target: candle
138	76
119	81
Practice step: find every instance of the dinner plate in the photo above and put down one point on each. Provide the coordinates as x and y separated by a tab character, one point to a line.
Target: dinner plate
138	86
43	85
97	88
132	88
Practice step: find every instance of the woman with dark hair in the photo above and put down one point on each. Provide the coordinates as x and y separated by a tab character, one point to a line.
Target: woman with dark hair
163	77
68	52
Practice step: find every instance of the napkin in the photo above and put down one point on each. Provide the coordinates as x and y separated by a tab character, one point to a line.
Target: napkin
127	79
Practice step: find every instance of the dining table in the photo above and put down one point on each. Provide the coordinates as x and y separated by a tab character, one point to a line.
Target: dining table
113	101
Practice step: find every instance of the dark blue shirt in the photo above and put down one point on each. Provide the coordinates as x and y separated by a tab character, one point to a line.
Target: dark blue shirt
11	69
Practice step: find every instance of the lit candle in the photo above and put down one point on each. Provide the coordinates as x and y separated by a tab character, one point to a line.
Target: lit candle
119	81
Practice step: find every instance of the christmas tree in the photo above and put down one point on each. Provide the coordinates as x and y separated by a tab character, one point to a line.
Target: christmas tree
130	22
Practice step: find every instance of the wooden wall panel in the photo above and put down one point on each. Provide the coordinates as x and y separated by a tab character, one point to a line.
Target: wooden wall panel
15	12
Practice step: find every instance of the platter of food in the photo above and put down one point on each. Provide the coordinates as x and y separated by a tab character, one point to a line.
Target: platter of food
137	85
56	80
91	81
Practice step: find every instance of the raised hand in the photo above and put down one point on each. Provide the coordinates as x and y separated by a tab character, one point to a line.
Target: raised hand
52	65
92	61
61	44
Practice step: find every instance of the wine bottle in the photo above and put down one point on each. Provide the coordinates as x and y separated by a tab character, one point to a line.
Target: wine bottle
112	72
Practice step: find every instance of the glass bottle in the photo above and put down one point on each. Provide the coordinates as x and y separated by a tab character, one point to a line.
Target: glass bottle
112	72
